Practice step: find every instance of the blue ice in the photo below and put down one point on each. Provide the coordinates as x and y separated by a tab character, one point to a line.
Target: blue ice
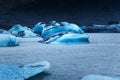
63	27
38	28
99	77
8	40
72	39
21	31
63	33
13	72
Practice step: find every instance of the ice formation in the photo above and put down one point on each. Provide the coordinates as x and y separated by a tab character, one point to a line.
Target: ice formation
21	31
114	28
38	28
99	77
63	33
71	38
13	72
2	31
53	32
8	40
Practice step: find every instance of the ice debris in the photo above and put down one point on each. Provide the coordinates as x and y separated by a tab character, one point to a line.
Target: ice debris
13	72
22	31
99	77
111	27
8	40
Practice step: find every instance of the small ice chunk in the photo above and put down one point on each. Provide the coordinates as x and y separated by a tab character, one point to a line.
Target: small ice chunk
99	77
22	31
8	40
13	72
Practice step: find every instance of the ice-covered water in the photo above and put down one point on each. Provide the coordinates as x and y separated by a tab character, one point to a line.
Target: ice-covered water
69	62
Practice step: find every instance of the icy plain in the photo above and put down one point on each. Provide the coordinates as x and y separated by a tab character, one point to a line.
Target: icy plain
68	62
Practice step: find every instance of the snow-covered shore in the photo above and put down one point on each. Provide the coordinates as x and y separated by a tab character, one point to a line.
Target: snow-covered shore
69	62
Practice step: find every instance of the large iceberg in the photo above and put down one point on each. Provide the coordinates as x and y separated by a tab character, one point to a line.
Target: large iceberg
63	33
8	40
13	72
21	31
63	27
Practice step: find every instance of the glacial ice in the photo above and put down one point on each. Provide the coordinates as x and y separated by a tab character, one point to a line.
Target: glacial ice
99	77
13	72
2	31
63	33
63	27
53	32
38	28
114	28
8	40
21	31
71	39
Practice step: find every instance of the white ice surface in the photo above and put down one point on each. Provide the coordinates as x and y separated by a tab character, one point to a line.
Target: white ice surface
69	62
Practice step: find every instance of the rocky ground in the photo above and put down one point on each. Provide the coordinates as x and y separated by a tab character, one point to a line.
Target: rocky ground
68	62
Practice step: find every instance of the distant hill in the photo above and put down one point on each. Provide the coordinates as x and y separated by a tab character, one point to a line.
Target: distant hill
81	12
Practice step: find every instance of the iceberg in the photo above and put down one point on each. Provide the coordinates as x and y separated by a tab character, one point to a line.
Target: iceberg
38	28
99	77
14	72
63	33
21	31
50	30
63	27
72	27
71	39
8	40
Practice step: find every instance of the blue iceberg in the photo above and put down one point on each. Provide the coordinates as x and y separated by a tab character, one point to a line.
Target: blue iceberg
21	31
70	39
8	40
13	72
63	27
38	28
63	33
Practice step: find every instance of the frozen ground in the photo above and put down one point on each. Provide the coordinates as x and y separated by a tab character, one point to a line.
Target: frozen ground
69	62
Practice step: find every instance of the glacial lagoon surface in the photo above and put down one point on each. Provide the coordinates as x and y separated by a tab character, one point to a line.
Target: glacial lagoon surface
68	62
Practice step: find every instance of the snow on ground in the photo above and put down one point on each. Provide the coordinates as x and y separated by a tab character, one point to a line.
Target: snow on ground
68	62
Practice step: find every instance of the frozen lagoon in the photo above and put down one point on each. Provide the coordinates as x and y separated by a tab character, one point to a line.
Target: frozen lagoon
69	62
